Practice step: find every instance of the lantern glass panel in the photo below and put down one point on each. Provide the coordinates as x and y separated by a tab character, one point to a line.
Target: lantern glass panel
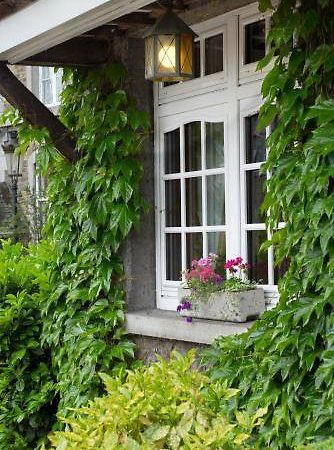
149	55
166	54
186	54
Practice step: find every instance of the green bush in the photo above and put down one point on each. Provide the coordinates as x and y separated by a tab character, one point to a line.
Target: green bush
323	445
167	405
26	385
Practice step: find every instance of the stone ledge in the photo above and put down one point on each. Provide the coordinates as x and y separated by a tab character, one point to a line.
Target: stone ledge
169	325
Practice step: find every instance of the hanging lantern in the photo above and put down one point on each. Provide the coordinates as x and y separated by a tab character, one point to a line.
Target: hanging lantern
169	50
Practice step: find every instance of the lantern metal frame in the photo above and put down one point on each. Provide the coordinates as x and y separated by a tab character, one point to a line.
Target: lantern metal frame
9	145
172	26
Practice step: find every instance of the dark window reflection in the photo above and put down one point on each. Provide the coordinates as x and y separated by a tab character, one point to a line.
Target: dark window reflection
255	184
258	260
173	203
197	59
172	151
255	141
173	257
194	201
194	242
255	47
280	270
214	48
192	134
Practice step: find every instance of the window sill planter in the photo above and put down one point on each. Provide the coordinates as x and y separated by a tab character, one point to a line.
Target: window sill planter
241	306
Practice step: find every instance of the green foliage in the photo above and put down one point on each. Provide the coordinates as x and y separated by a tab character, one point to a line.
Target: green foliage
286	361
93	205
323	445
26	384
168	405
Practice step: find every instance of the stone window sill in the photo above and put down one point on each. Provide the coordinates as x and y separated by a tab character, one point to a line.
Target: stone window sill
169	325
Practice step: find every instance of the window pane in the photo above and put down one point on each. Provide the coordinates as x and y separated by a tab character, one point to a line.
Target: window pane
194	201
214	49
172	151
255	141
173	203
59	83
46	73
173	257
217	244
255	183
214	145
194	242
47	92
255	47
192	132
216	199
197	59
258	260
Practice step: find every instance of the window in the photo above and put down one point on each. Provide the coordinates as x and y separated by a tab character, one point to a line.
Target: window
209	155
255	47
194	186
50	85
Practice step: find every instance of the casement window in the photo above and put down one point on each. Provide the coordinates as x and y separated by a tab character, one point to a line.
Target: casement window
50	85
209	155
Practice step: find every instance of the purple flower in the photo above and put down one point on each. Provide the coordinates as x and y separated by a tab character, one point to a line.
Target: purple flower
219	279
186	305
189	319
179	307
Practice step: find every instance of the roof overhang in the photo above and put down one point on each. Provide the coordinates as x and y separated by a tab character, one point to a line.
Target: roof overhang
47	23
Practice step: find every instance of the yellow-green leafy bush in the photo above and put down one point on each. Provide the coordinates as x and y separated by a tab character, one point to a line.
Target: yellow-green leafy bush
165	406
323	445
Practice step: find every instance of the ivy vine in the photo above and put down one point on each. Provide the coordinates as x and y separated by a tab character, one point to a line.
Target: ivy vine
286	361
92	206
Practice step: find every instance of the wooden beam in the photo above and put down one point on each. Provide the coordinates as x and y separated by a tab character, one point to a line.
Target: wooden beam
34	112
77	52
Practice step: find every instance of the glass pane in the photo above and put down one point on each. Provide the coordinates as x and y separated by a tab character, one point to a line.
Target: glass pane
173	257
173	203
192	132
197	59
255	184
194	242
149	56
255	47
166	54
216	199
214	145
258	260
214	48
194	201
59	83
47	92
46	73
255	141
172	151
217	244
186	54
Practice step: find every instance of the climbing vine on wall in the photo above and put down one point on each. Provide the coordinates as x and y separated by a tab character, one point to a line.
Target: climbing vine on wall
286	361
93	205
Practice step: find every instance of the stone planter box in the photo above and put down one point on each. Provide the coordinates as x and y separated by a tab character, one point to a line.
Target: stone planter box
240	306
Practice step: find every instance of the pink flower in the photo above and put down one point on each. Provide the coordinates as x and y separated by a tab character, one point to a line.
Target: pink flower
206	274
205	262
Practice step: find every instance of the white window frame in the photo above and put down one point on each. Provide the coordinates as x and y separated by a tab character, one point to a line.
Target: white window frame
53	76
225	99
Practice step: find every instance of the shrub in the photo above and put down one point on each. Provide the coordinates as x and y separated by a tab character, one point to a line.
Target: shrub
323	445
167	405
26	385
